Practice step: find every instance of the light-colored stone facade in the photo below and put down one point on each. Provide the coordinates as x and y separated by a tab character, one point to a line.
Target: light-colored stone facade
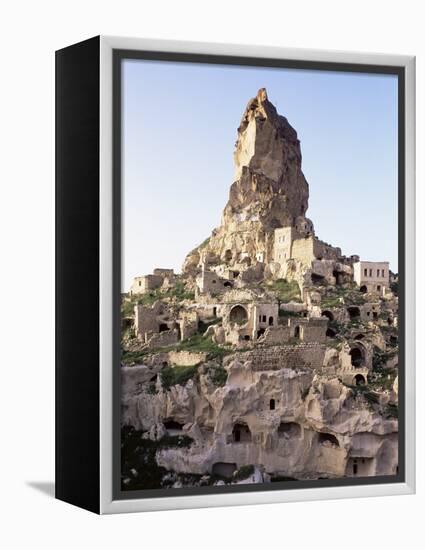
372	276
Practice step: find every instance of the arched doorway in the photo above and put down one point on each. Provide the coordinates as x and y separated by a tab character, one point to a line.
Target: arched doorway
359	380
270	321
297	332
328	440
328	314
239	315
356	357
363	289
353	312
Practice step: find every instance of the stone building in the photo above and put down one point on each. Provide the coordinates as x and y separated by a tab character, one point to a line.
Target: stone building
246	322
147	283
151	320
211	283
301	244
372	276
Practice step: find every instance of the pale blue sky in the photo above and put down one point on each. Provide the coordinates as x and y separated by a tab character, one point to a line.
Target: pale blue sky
179	131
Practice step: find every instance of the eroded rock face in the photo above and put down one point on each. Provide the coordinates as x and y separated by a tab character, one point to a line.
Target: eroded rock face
269	190
291	421
264	359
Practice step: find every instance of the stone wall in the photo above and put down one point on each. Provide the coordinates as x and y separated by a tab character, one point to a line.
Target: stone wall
186	358
291	357
144	284
163	339
303	250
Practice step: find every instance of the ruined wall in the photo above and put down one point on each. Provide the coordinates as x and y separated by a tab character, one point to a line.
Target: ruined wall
291	357
163	339
186	358
144	284
325	251
303	250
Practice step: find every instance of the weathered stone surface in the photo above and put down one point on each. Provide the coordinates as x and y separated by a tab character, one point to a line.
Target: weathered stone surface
297	380
269	190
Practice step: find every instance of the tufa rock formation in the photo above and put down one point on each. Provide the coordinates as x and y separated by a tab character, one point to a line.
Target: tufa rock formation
269	191
272	357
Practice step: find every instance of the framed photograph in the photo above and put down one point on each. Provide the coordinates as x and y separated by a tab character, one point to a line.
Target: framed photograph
235	275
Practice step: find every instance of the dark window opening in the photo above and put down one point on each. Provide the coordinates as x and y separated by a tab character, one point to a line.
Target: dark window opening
363	289
224	469
289	429
163	327
355	468
297	332
356	357
328	439
215	311
330	333
328	314
270	321
359	380
241	433
228	283
172	425
317	279
272	404
353	312
260	332
246	337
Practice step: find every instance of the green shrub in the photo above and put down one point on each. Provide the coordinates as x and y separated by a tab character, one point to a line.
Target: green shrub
171	376
139	469
200	343
285	291
391	411
217	375
132	357
286	314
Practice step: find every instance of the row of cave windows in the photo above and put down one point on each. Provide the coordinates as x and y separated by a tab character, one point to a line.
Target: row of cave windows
379	272
263	319
242	434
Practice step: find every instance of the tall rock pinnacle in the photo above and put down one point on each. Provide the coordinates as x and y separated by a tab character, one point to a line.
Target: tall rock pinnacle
269	190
